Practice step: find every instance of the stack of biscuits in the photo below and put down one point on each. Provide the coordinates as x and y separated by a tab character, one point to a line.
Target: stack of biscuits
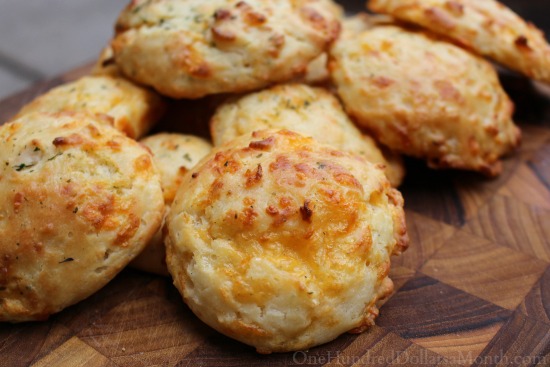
277	229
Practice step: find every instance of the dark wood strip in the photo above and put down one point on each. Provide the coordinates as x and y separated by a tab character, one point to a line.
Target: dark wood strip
522	341
511	223
20	343
432	193
540	164
425	307
482	268
537	303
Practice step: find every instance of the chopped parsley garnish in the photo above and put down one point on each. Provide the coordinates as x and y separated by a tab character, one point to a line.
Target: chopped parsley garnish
22	166
55	156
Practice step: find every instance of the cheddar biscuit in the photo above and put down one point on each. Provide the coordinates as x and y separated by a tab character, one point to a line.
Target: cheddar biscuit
425	97
80	201
307	110
174	155
132	109
284	243
192	48
487	27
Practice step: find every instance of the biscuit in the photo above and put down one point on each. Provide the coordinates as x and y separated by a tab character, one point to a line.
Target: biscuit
133	110
424	97
307	110
487	27
192	48
174	155
284	243
80	201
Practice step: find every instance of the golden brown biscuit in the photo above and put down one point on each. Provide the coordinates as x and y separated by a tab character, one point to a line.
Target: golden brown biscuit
174	155
307	110
425	97
134	110
283	243
80	201
487	27
192	48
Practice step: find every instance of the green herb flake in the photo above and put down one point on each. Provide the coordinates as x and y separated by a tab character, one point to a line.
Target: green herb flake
55	156
75	210
187	157
22	166
36	149
69	259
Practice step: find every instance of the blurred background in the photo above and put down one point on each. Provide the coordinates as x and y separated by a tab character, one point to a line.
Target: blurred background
40	39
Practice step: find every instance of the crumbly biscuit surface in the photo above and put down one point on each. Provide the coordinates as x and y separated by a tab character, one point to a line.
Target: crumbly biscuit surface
486	26
192	48
283	243
133	110
174	155
80	201
307	110
425	97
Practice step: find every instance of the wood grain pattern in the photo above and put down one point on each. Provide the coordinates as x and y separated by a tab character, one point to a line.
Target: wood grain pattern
529	346
441	318
427	235
489	271
473	288
537	303
509	222
75	352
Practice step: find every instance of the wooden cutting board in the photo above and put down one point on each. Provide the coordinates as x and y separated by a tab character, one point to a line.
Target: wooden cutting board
473	288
